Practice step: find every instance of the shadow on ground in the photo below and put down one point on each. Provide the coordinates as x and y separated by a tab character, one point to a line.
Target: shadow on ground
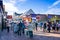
11	36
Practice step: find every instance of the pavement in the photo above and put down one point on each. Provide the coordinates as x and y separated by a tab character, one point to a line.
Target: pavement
41	33
38	35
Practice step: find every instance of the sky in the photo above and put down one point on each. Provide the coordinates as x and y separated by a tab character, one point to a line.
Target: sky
38	6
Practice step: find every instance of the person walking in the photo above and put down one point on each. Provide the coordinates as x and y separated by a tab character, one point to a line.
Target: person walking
20	28
15	28
49	27
44	27
54	26
36	25
30	30
57	27
8	26
23	28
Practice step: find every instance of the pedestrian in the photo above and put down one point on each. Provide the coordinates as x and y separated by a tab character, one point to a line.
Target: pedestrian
20	28
44	27
57	27
15	28
54	26
36	25
30	30
8	26
12	25
41	24
23	27
49	26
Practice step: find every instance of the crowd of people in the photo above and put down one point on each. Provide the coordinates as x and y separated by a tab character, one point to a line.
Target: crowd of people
20	27
51	26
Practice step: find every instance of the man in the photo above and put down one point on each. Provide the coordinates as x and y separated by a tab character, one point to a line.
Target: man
20	28
23	27
36	25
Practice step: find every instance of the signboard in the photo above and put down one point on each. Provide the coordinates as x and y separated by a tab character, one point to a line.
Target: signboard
9	17
49	16
30	19
33	15
37	17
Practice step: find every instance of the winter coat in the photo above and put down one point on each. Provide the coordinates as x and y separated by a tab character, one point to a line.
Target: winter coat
15	27
30	27
23	26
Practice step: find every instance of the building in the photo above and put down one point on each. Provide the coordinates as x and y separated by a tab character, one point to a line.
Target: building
1	13
39	17
53	17
31	16
16	17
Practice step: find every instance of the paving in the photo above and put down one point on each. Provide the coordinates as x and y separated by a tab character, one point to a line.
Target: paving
37	36
41	33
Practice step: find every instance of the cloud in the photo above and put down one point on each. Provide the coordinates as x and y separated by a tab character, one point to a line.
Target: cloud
55	3
14	1
10	1
53	11
22	0
10	6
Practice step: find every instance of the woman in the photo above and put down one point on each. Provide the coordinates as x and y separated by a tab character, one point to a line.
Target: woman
30	30
49	27
44	27
15	28
8	26
53	26
57	27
